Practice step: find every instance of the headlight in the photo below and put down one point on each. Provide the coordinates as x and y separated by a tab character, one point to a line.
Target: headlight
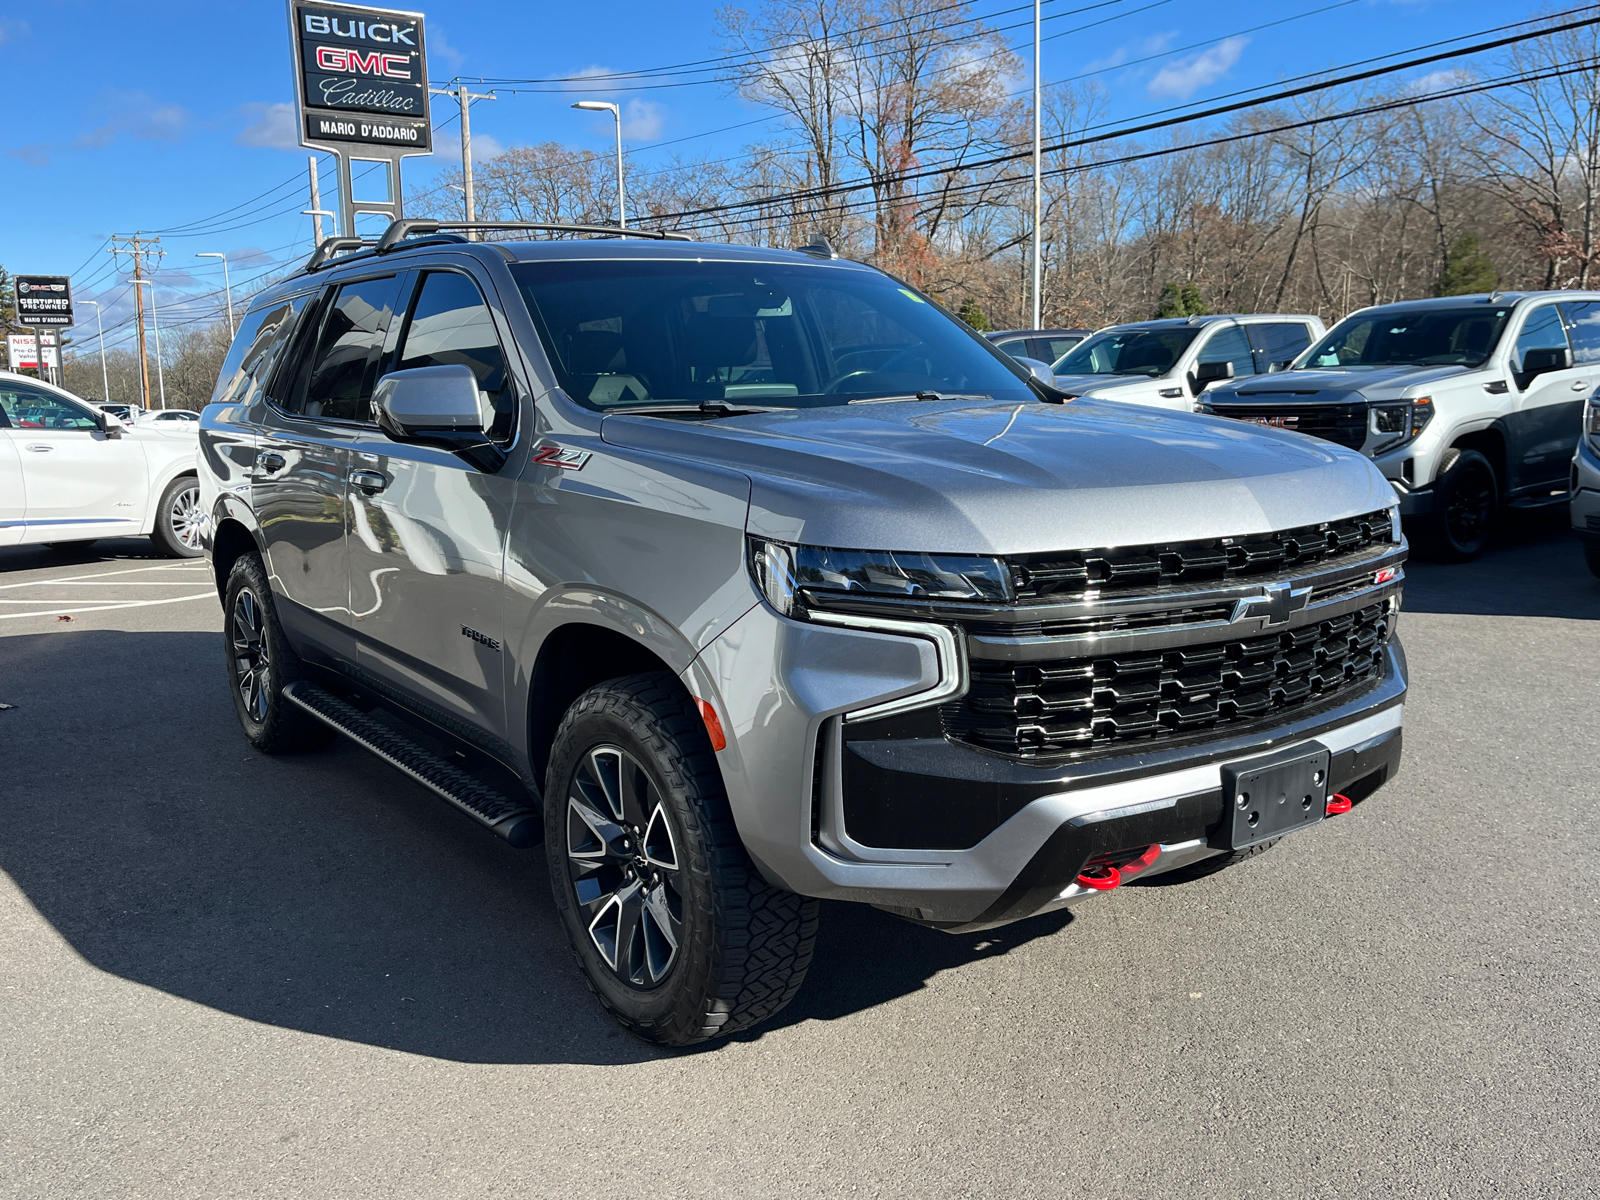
1402	421
786	574
1591	420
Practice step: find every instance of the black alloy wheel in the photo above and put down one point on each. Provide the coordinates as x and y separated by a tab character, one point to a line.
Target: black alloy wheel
622	859
1466	499
251	654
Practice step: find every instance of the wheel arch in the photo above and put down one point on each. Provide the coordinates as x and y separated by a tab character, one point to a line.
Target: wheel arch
231	539
573	658
1491	443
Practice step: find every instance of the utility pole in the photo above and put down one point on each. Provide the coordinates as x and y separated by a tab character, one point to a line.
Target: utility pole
316	212
1038	177
138	249
465	98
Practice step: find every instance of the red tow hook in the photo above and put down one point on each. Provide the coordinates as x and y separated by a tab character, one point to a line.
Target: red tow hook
1339	804
1100	882
1144	860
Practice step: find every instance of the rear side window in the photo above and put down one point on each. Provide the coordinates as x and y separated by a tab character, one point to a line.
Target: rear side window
1230	346
450	326
1583	324
346	360
1277	342
30	408
1541	331
1016	347
256	347
1054	348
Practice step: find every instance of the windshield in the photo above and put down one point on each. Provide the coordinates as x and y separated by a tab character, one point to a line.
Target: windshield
633	333
1149	352
1401	337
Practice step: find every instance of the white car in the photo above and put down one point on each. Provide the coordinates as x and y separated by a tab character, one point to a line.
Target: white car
71	472
167	416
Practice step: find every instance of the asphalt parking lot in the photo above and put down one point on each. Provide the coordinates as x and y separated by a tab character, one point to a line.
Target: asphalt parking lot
226	975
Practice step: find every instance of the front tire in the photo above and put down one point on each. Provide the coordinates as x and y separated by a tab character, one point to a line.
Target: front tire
1466	500
178	519
674	928
261	663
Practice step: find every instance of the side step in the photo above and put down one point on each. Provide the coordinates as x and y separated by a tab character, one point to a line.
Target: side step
515	820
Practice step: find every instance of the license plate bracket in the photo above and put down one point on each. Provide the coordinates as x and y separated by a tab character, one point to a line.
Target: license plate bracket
1275	794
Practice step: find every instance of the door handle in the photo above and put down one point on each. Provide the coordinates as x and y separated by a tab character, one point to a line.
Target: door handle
1579	385
271	462
40	448
369	482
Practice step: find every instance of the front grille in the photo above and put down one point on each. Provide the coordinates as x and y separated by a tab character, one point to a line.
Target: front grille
1065	706
1342	423
1064	575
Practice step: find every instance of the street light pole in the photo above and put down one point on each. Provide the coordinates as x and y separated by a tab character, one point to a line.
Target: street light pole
161	378
226	287
105	379
603	106
1038	178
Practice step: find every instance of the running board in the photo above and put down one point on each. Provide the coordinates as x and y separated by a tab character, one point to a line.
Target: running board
515	820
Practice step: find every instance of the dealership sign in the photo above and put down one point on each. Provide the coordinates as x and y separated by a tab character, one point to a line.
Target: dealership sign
22	350
43	300
361	78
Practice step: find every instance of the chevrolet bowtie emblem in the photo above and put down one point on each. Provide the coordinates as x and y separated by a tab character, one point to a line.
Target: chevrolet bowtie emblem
1278	602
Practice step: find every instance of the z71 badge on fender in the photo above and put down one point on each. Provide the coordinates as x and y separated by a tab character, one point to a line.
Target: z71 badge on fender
560	456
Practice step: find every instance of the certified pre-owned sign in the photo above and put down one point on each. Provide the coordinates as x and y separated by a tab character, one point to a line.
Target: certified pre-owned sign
44	300
362	75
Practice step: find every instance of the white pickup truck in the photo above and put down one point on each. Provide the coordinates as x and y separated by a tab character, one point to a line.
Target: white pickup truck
72	472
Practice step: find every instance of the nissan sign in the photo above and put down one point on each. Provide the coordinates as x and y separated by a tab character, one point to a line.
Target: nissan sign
43	300
361	75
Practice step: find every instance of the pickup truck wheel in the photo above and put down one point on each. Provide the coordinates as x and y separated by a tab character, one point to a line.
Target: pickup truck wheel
261	663
674	928
1466	499
178	516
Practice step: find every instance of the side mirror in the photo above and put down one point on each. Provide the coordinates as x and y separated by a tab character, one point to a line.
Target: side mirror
1537	362
1039	369
1212	372
436	406
111	424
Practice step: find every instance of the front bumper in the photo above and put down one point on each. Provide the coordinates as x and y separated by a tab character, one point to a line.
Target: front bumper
1585	503
783	769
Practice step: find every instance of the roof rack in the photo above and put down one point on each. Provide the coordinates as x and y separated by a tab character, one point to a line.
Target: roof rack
398	231
328	247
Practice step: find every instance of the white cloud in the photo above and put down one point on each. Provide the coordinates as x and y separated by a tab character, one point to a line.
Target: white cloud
13	30
642	120
36	155
274	127
138	116
1438	81
1188	75
485	146
439	48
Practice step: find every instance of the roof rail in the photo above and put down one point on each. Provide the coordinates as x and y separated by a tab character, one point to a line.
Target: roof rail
398	231
334	245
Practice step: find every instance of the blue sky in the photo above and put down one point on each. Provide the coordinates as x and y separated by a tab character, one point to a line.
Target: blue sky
159	116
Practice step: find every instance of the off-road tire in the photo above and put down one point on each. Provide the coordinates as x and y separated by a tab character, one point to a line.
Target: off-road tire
176	531
1466	502
1217	862
274	725
744	946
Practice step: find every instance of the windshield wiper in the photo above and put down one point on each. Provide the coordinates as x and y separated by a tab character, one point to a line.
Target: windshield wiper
922	396
706	408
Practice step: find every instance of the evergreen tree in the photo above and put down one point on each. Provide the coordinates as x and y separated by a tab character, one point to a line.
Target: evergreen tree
1182	300
974	316
1467	269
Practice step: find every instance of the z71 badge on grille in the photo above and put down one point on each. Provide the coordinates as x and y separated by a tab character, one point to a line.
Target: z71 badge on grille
560	456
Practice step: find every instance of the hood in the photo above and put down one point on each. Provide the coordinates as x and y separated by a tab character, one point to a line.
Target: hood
1009	478
1100	384
1334	383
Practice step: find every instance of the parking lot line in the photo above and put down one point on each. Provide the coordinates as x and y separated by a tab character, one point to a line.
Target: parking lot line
185	566
66	609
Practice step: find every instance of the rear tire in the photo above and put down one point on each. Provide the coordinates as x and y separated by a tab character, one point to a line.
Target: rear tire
178	519
676	932
261	663
1466	501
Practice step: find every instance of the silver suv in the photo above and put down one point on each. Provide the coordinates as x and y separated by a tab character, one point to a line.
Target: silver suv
1467	403
743	578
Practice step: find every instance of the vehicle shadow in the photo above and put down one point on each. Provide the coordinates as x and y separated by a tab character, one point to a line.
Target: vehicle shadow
1533	568
39	554
323	893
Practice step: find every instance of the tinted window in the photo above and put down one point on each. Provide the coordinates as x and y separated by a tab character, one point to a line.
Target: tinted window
1229	346
347	352
1016	347
32	408
1431	337
1583	323
255	348
1055	347
1128	352
628	333
1543	330
1278	343
450	326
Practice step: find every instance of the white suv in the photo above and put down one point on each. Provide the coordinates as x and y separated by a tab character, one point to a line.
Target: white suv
72	472
1169	363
